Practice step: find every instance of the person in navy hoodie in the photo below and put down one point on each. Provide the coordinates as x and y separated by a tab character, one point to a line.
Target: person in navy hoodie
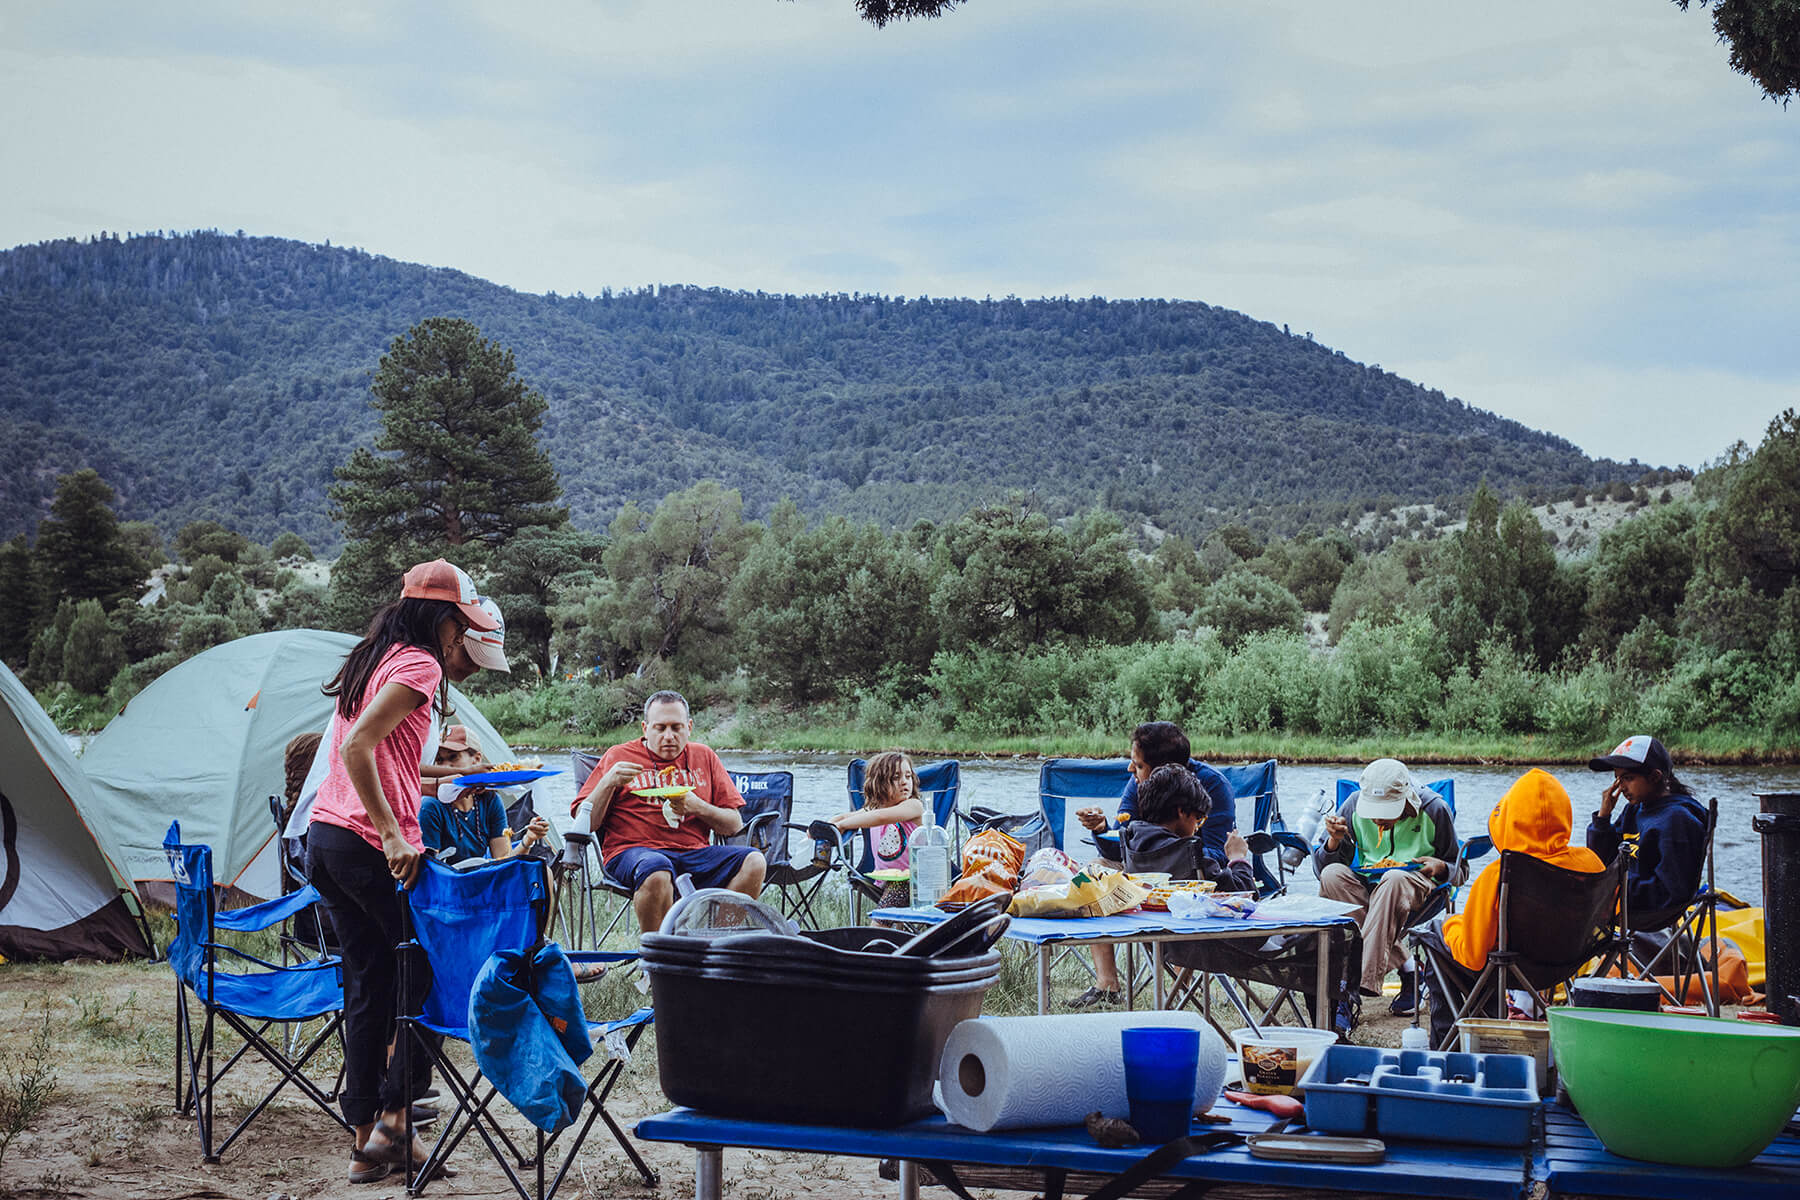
1667	824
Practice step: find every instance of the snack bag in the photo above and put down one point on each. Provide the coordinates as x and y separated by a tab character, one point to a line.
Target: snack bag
991	864
1049	867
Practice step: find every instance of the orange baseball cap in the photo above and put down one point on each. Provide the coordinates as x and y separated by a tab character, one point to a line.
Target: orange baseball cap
440	580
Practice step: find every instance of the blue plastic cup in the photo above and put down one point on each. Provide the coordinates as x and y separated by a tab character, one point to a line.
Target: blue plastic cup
1161	1066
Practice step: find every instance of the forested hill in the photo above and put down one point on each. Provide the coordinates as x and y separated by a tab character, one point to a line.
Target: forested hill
207	375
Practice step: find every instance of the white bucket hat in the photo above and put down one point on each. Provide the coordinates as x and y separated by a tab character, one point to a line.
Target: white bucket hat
488	647
1387	790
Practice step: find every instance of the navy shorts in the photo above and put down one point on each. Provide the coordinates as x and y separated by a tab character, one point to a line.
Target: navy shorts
711	866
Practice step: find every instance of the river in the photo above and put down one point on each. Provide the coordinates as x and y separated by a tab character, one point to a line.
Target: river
1011	785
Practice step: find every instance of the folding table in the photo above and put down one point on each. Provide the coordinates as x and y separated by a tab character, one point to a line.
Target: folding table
1049	934
1048	1160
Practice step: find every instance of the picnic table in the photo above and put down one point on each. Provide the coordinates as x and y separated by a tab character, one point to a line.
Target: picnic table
1564	1159
1047	935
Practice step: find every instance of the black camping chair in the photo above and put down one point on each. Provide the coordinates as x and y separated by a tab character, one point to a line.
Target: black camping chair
1679	958
581	882
768	820
307	934
1552	921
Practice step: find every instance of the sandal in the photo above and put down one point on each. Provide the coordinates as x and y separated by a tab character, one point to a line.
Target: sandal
364	1169
394	1149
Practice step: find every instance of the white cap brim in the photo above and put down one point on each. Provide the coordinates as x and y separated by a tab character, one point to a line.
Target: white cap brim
487	656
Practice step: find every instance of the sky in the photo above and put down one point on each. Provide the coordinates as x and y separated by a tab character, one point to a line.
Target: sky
1575	215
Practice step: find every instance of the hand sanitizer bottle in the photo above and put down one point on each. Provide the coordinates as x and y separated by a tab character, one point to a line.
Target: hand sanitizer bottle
928	855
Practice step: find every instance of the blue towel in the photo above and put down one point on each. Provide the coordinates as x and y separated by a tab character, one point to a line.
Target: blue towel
529	1033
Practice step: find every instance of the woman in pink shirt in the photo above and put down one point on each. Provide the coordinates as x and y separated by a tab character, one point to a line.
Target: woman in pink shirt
365	835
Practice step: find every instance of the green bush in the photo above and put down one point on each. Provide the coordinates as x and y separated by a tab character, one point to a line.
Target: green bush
1270	683
1164	681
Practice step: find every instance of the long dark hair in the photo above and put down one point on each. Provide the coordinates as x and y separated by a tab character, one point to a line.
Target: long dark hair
409	622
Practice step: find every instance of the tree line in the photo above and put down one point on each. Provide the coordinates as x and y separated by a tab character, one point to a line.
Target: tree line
1006	620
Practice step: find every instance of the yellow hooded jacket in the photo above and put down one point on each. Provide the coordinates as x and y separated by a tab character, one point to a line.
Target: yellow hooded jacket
1535	818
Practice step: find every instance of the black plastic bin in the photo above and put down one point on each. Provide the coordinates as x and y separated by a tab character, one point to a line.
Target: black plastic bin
792	1029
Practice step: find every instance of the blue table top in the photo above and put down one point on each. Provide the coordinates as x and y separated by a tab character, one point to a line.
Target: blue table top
1576	1164
1410	1168
1125	925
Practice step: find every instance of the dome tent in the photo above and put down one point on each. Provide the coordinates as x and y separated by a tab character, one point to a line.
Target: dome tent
64	892
204	744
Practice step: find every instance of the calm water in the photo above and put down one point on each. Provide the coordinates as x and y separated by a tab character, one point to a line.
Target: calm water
1011	786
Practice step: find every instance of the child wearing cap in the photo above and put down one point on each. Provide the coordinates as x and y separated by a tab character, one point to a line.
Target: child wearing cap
469	820
1667	824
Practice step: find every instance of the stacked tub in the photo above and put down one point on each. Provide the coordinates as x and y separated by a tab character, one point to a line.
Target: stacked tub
828	1026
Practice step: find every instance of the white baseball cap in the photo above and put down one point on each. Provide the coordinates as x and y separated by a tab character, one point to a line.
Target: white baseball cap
488	646
1387	790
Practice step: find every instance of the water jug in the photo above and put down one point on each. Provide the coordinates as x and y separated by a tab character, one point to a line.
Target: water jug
928	855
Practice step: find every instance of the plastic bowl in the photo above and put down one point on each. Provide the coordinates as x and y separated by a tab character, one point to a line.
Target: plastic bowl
1274	1060
1693	1091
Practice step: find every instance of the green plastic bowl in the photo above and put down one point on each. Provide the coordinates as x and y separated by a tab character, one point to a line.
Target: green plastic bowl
1694	1091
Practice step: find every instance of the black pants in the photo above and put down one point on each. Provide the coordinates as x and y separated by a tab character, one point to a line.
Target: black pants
353	880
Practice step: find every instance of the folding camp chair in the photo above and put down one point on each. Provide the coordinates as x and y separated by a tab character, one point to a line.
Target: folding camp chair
941	782
249	1002
457	920
582	881
768	820
1274	849
1443	897
1679	958
1552	921
306	934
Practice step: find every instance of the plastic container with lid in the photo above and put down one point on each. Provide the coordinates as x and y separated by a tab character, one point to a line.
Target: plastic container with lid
1275	1059
1486	1035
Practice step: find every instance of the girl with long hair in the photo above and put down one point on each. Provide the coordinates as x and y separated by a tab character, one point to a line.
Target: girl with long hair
365	835
893	804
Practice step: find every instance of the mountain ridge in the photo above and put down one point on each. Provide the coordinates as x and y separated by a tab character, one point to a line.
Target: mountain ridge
221	376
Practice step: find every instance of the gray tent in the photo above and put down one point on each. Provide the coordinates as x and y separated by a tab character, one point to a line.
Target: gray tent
64	892
204	744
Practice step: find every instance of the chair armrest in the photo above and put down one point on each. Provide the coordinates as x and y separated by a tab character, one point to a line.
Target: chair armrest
330	960
757	829
269	912
1476	847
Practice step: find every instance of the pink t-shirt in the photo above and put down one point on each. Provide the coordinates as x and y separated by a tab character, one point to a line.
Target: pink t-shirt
396	758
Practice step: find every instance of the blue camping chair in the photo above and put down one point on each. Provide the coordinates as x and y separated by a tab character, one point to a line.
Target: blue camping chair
941	782
457	920
249	1002
1443	896
1101	781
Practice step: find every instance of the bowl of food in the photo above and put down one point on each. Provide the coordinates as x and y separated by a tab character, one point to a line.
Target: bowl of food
1692	1091
1158	899
1150	879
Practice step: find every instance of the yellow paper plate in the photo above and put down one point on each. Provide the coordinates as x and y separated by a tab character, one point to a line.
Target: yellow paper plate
664	792
891	875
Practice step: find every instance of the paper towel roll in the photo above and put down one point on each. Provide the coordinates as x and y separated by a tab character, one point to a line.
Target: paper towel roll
1029	1072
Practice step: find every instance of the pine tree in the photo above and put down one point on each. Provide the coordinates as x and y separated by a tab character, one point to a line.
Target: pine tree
456	467
20	594
80	550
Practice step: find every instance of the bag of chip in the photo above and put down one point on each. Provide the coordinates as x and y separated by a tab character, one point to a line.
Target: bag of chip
990	866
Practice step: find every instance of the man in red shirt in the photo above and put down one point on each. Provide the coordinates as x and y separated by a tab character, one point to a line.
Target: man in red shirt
646	841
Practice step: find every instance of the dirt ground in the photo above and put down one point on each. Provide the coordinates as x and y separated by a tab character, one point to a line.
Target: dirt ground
109	1129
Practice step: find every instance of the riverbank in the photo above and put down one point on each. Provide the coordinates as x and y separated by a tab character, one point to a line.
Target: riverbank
766	731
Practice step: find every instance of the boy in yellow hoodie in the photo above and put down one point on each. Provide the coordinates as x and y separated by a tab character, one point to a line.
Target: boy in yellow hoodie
1535	818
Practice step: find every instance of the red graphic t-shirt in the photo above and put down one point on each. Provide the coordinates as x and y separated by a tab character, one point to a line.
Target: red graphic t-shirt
633	820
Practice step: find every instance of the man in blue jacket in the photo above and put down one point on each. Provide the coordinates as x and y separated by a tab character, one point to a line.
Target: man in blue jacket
1667	824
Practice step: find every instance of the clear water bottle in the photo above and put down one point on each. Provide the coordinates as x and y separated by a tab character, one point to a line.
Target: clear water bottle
928	855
